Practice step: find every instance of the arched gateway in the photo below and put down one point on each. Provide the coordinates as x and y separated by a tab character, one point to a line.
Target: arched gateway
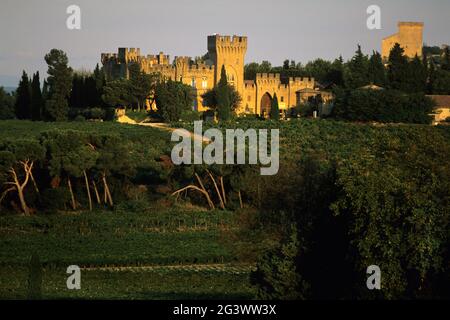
266	102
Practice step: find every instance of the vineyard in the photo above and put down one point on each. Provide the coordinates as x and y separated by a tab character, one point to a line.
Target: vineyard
107	198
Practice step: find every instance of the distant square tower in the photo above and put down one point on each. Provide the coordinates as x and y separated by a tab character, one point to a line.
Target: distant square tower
410	38
230	52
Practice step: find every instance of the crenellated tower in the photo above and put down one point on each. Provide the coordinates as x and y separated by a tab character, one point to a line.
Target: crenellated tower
230	52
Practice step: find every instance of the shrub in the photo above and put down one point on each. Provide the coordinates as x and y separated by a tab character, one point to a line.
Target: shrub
383	106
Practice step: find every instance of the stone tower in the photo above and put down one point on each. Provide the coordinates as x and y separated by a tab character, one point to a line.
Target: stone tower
410	38
230	52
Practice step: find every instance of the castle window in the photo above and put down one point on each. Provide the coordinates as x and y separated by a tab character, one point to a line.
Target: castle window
204	83
193	82
282	99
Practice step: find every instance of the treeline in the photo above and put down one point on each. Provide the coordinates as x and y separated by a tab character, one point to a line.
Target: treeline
70	95
63	95
399	73
63	170
357	196
401	84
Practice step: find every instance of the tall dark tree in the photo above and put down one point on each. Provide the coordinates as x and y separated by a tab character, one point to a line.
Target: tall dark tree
6	105
445	65
116	93
319	69
45	91
397	68
357	74
172	99
141	85
223	97
416	77
60	84
100	82
336	74
377	72
37	102
274	108
23	98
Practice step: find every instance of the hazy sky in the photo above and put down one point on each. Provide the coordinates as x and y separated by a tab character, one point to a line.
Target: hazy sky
277	29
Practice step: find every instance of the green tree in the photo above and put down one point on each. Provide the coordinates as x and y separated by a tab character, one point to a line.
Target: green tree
336	73
377	72
45	91
319	69
141	84
172	99
441	82
70	156
445	65
397	68
6	105
23	98
416	77
35	278
274	109
277	277
100	82
60	84
37	101
223	97
357	72
117	93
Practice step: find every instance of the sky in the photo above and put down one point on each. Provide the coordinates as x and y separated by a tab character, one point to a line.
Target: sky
300	30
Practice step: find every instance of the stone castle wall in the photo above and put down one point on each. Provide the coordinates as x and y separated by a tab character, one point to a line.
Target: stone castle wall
222	51
410	38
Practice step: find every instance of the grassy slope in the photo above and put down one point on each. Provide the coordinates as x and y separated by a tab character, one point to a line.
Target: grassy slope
111	238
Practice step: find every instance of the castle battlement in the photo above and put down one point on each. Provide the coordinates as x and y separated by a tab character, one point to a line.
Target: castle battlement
217	42
267	76
224	51
301	80
201	67
249	84
410	24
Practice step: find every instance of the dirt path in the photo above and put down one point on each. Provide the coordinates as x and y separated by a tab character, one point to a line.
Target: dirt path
218	267
161	126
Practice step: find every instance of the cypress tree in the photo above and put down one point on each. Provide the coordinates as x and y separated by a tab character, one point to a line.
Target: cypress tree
358	73
223	97
377	72
37	102
398	68
274	109
23	99
45	91
60	84
35	278
446	60
417	76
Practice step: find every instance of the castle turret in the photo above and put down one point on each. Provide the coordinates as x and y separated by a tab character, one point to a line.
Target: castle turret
409	37
229	52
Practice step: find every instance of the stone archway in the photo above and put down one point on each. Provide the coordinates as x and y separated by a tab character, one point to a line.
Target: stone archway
266	103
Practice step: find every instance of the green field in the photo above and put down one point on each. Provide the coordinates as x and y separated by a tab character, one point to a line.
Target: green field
164	255
125	253
370	192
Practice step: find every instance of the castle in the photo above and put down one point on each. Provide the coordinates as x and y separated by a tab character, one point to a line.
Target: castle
203	75
409	37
